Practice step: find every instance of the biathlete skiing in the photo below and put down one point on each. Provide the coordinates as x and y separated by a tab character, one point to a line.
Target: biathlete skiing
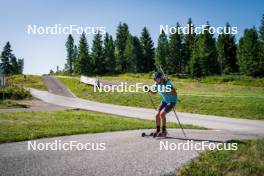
169	100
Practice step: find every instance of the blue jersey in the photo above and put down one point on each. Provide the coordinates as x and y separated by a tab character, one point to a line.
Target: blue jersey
167	97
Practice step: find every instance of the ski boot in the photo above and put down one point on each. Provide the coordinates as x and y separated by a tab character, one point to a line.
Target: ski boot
162	134
155	133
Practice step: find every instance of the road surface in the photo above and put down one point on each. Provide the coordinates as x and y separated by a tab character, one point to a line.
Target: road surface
35	105
126	154
56	87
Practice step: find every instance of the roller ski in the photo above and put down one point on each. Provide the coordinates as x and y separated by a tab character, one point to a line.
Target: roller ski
152	134
155	134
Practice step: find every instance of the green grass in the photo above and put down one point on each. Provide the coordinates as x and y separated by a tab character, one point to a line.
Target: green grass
198	88
7	104
20	126
247	160
235	80
222	99
33	81
224	79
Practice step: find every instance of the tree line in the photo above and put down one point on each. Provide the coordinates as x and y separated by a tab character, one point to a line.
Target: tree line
192	54
10	63
125	54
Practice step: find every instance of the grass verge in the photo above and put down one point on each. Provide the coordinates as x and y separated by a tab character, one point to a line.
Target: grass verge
20	126
33	81
224	79
237	107
7	104
200	88
247	160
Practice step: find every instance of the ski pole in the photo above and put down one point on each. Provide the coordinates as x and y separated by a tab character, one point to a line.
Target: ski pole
162	71
179	123
153	104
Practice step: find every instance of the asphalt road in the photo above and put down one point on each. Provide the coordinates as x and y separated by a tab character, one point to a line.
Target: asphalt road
35	105
126	154
56	87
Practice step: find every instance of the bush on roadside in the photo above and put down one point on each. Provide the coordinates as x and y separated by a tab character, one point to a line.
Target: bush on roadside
14	93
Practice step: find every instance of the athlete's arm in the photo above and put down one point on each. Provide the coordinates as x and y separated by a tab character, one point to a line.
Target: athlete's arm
172	91
150	91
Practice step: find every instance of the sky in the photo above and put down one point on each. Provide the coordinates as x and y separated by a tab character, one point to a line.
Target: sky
44	52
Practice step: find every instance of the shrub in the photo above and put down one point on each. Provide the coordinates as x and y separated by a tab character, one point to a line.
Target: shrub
14	93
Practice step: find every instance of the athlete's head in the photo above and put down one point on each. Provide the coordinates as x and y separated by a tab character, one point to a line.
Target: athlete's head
157	77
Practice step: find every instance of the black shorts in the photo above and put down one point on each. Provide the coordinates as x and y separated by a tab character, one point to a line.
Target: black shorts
166	106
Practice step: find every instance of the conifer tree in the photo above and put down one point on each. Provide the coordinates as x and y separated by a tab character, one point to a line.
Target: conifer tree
261	29
14	65
226	47
120	46
75	57
148	51
195	63
261	39
162	51
83	63
109	53
97	54
20	63
175	62
189	40
70	54
248	53
6	56
204	54
133	54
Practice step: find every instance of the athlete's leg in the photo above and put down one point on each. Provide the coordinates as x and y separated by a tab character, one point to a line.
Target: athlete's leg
158	114
163	113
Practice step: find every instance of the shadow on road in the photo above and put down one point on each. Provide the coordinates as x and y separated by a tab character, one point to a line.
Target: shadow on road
190	139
